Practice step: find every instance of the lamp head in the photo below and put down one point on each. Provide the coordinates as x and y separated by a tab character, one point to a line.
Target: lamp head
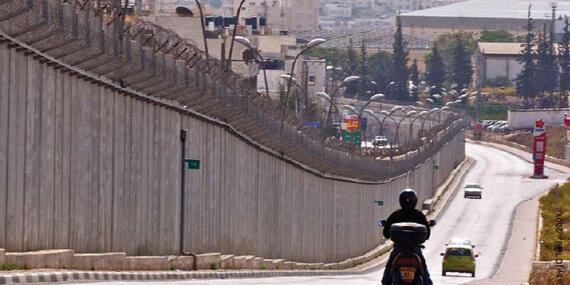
243	40
377	97
324	95
350	79
315	43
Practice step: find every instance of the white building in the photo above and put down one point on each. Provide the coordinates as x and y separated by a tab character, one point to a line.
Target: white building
337	10
284	15
494	60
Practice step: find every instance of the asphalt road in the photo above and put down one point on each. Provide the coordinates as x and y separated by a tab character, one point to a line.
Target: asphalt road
485	222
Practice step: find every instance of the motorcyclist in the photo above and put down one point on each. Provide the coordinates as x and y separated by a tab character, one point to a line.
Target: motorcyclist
408	214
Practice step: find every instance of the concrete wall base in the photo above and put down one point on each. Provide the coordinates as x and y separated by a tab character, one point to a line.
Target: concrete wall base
550	265
113	261
40	259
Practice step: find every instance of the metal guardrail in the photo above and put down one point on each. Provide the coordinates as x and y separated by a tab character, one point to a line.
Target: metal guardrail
156	65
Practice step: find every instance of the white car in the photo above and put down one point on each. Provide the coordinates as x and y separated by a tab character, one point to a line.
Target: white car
380	141
473	190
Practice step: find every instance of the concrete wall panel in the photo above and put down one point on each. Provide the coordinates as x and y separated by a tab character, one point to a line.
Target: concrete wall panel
5	79
87	167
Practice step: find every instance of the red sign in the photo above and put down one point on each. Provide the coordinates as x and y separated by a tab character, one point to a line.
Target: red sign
566	120
539	148
479	126
352	124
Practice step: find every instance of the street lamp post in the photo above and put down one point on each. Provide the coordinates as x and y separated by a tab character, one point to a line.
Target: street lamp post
408	115
392	84
203	24
388	114
427	116
371	113
309	46
331	103
332	98
419	116
444	108
234	35
388	88
305	92
246	42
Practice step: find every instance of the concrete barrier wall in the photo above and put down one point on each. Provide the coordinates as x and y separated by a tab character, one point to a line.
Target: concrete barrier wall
90	168
526	118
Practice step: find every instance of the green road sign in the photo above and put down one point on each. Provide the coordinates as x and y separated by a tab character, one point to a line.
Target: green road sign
436	167
193	163
380	203
347	136
357	137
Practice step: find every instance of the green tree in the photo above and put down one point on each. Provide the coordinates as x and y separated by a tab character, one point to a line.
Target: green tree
564	60
352	68
435	69
526	81
380	67
546	67
363	71
333	56
461	67
446	43
500	36
400	65
415	78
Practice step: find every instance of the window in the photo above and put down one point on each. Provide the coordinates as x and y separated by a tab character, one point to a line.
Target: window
312	80
458	252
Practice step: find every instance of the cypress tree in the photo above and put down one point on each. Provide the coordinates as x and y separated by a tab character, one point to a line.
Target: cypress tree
461	67
400	65
526	81
564	60
415	78
363	70
352	69
546	68
435	70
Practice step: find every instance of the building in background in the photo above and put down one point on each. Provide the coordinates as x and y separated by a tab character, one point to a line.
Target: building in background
478	15
282	15
497	60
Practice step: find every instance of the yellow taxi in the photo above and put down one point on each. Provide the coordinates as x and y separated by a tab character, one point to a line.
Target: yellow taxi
459	257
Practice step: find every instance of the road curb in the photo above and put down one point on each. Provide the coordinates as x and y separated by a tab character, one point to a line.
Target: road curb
67	276
527	157
441	200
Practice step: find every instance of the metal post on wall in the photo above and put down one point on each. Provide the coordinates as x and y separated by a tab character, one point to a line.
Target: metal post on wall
183	136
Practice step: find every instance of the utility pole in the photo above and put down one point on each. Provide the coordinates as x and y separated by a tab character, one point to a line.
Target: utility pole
554	6
306	86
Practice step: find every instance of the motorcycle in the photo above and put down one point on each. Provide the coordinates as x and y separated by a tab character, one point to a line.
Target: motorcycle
407	267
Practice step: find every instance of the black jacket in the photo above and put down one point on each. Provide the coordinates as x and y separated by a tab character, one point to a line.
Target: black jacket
406	216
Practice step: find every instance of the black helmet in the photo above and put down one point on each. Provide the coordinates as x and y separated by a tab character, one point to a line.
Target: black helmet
408	199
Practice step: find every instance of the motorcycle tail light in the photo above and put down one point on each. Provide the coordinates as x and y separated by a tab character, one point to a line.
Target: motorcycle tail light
409	261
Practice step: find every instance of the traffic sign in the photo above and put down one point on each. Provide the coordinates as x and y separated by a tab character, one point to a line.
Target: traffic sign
357	137
347	136
380	203
193	163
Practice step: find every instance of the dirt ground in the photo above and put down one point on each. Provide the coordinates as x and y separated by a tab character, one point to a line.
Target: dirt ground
555	144
547	277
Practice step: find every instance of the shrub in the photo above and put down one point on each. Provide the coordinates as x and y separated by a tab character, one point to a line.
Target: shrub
549	237
499	81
